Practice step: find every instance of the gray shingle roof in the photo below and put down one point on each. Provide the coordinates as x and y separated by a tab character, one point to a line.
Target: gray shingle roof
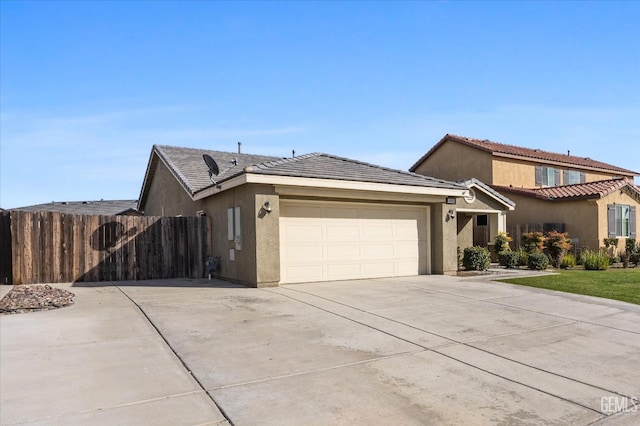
189	167
326	166
100	207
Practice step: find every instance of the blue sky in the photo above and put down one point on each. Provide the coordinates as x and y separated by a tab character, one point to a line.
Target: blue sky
88	87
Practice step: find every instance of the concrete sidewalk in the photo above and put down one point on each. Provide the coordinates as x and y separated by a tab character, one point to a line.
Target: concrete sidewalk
415	350
96	362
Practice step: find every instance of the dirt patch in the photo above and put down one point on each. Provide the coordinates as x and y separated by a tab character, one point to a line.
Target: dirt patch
29	298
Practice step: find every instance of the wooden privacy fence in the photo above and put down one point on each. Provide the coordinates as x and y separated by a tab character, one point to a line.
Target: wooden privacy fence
50	247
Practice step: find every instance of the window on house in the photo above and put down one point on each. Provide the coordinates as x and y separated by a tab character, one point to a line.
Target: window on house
547	176
234	226
572	177
621	221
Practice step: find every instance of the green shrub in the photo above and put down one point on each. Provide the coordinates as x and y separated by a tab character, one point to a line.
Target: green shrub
538	261
630	246
595	260
635	259
568	261
476	259
557	244
502	243
509	259
524	257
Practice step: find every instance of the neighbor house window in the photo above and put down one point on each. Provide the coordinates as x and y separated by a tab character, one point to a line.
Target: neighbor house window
572	177
621	221
547	176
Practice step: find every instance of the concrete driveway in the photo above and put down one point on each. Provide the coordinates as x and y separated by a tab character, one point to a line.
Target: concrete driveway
417	350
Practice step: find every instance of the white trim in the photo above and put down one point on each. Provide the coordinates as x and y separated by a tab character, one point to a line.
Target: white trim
484	191
328	183
481	211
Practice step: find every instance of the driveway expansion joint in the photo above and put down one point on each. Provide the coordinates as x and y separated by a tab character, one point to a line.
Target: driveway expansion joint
175	353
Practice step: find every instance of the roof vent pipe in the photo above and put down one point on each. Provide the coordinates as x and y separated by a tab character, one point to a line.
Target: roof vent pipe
239	147
568	152
293	153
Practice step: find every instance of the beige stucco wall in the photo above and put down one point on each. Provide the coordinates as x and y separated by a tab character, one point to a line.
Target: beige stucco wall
513	172
167	197
580	217
618	197
455	162
444	241
519	173
256	263
465	230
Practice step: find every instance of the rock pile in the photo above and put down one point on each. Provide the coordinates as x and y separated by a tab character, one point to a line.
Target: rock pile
28	298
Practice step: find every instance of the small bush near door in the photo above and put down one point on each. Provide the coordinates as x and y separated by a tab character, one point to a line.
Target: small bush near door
509	259
538	261
476	259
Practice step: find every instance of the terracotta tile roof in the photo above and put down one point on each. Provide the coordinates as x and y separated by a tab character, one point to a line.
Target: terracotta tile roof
597	189
496	148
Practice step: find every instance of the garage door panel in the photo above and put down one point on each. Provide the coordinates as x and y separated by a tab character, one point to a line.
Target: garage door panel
377	232
378	251
322	241
303	232
375	213
404	232
303	273
341	213
406	250
379	269
407	268
343	232
338	251
300	211
304	252
345	270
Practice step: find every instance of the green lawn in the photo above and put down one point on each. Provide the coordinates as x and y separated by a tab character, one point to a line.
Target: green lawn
617	284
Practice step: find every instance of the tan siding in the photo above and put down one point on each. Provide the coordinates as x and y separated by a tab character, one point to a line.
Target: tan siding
513	172
593	176
167	197
455	162
521	173
580	217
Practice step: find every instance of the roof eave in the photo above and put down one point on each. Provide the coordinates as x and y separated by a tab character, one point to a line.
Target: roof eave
267	179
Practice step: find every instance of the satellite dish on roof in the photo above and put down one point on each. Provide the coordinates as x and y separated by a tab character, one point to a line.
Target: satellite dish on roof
214	170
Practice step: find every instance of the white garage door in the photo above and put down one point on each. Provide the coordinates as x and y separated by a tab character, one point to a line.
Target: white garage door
321	241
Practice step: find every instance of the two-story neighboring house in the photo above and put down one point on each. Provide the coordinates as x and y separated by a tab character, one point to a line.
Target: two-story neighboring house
589	199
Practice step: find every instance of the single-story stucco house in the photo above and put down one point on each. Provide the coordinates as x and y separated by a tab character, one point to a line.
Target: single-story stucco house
315	217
